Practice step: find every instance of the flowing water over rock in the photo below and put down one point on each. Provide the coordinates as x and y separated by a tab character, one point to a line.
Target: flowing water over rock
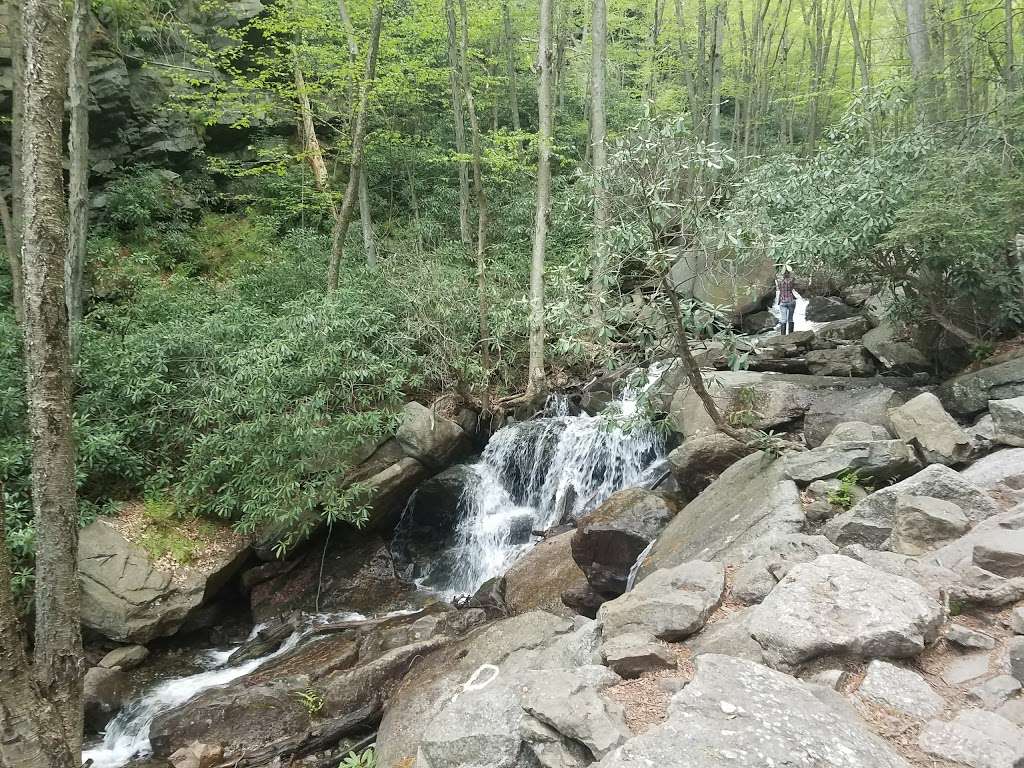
127	735
538	474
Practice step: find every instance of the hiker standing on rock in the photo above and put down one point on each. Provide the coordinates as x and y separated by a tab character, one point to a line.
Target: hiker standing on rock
785	296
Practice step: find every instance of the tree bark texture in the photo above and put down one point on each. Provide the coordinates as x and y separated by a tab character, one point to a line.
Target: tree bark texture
537	382
57	660
30	729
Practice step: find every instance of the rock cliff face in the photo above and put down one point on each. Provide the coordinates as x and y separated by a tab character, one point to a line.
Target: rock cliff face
131	85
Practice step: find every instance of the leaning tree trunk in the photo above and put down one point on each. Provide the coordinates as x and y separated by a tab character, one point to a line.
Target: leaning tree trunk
30	729
58	640
598	133
348	203
537	382
78	156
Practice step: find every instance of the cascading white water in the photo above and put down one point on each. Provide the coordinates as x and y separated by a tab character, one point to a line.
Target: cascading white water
127	735
537	474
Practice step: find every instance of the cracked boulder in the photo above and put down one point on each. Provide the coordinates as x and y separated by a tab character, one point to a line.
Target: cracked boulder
871	521
670	604
883	460
836	605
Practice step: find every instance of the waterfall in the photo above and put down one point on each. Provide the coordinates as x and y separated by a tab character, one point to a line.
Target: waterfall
540	473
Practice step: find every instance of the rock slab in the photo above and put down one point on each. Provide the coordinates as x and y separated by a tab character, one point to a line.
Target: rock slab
739	713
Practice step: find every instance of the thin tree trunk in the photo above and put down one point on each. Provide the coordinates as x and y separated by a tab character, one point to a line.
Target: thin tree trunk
465	229
858	51
78	158
13	260
58	639
17	38
919	48
537	382
481	207
30	729
369	242
1011	85
510	53
414	201
687	64
598	135
365	217
715	124
348	203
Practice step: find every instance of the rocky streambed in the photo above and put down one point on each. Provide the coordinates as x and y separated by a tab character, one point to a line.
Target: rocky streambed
851	599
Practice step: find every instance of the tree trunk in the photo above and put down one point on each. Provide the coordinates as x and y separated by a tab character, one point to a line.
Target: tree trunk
919	47
537	382
858	50
310	143
687	64
510	52
465	230
598	136
58	640
17	39
481	207
369	242
348	203
365	217
715	123
13	259
78	159
30	729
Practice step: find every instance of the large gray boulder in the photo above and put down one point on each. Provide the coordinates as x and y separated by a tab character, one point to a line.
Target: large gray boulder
1001	553
976	738
429	437
869	405
1008	419
487	658
838	605
871	521
608	541
756	399
926	423
729	636
127	598
882	460
825	309
751	500
632	654
739	713
969	393
841	331
670	604
701	459
845	360
892	351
